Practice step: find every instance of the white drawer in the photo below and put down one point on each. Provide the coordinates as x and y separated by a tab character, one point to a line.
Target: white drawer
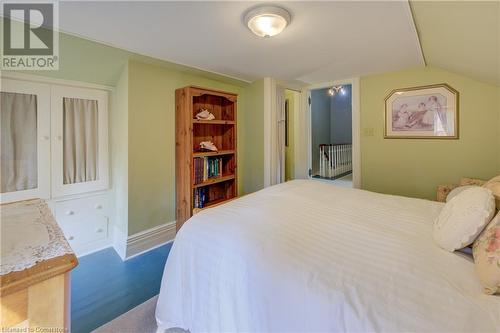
75	209
85	230
83	220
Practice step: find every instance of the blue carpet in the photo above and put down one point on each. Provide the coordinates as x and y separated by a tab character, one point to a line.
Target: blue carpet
104	287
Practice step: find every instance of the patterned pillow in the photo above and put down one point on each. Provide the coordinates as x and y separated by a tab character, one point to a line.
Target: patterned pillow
486	253
494	185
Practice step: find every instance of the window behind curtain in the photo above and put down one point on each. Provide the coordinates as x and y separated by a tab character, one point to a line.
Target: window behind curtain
19	167
80	145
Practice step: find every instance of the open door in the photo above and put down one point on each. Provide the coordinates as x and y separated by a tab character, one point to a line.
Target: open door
331	131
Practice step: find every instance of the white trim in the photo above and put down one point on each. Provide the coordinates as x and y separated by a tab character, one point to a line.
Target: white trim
298	160
93	247
149	249
149	239
411	18
356	125
43	112
58	93
50	80
356	133
268	105
307	133
120	242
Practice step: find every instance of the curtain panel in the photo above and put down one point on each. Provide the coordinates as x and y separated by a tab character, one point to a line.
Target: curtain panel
18	142
80	145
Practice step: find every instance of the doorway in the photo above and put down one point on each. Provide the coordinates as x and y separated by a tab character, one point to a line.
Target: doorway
289	134
331	136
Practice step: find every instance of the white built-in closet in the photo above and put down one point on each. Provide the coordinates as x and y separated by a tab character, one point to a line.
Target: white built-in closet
54	146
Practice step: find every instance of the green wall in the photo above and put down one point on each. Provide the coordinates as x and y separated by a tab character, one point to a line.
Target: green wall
498	129
252	139
83	60
142	127
118	125
151	140
414	167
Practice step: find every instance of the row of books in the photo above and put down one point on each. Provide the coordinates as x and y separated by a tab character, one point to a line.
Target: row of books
200	197
205	168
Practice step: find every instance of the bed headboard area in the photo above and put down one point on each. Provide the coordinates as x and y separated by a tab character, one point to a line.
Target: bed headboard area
493	184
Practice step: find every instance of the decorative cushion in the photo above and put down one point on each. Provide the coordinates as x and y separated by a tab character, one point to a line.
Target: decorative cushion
443	191
486	251
463	218
472	181
457	190
494	185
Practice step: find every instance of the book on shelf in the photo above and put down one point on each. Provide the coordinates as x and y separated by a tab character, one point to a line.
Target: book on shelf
200	197
205	168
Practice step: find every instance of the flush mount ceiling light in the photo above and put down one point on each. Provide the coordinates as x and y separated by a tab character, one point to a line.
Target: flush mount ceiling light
267	21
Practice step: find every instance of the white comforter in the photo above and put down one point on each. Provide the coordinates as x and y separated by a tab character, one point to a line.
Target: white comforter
309	256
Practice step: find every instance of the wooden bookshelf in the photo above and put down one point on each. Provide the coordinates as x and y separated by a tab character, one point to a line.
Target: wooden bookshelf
213	153
189	133
215	121
214	180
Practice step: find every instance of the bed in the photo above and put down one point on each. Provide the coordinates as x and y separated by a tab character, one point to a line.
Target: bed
308	256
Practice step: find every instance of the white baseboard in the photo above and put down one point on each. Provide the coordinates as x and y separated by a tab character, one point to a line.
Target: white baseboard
120	242
96	246
149	239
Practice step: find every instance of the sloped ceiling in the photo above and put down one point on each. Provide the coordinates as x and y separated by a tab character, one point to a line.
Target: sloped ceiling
461	36
327	40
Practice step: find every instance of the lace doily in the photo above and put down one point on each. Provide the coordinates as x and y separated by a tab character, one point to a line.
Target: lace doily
29	234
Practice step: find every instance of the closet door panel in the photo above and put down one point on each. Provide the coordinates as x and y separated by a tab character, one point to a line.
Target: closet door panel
24	140
79	140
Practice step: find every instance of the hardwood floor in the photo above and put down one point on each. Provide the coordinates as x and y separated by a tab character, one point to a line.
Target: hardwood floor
104	287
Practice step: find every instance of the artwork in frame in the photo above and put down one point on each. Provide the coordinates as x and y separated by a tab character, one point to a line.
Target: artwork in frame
427	112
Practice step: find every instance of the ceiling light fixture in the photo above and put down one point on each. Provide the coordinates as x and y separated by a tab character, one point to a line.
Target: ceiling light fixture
267	21
335	90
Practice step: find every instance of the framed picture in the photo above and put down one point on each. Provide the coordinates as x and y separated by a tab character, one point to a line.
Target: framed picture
427	112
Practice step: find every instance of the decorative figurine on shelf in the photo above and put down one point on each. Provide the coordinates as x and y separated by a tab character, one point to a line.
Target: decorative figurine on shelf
208	145
204	114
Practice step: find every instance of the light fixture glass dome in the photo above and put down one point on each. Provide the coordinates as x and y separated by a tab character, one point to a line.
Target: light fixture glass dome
267	21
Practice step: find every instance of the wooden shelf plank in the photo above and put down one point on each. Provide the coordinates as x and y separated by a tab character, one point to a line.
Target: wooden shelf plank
214	180
213	153
212	204
214	122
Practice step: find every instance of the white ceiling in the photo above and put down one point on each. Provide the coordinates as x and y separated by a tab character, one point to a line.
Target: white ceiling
325	41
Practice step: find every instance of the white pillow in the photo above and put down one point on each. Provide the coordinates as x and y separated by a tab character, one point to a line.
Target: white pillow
463	218
457	190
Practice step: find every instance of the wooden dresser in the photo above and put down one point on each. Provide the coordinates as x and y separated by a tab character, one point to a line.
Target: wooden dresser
35	266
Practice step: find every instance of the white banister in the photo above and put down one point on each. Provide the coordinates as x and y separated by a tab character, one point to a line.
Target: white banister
335	160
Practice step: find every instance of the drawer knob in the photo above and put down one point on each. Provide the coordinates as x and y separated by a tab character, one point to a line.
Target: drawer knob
71	238
99	230
46	137
59	137
70	212
98	206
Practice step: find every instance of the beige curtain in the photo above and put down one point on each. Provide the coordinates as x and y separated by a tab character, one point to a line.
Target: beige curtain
18	142
80	140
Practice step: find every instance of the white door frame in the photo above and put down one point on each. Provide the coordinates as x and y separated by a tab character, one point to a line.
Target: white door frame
356	127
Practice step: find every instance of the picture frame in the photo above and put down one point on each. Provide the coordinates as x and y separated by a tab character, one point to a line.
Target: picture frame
424	112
